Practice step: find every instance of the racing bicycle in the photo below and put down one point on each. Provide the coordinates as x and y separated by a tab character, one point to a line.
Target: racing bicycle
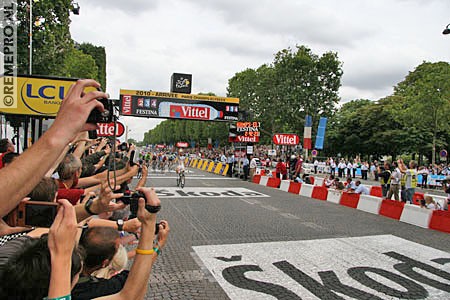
181	179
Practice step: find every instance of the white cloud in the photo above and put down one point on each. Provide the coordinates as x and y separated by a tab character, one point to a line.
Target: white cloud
379	42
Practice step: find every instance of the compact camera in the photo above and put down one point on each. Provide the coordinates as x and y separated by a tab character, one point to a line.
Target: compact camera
132	198
96	116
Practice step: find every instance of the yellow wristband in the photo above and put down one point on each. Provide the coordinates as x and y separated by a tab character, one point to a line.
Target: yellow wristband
144	252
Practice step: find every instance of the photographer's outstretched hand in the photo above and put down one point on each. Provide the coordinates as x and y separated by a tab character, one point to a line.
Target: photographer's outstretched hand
76	107
150	199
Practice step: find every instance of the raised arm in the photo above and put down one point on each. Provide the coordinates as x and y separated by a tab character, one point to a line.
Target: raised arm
25	171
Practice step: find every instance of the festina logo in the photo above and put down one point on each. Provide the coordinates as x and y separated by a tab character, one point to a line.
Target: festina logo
285	139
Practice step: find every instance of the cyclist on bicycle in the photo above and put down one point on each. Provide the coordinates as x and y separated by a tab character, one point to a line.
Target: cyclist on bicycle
181	158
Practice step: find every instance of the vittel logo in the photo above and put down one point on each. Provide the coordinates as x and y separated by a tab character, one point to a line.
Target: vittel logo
286	139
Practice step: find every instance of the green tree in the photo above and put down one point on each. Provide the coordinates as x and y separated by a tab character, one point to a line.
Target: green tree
427	90
98	53
297	83
51	36
80	65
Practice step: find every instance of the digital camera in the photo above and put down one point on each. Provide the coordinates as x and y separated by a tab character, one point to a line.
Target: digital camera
96	116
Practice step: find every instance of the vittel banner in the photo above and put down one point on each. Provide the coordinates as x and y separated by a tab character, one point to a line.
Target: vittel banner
178	106
285	139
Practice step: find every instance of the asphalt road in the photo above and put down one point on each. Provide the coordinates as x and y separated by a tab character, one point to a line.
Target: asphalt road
327	237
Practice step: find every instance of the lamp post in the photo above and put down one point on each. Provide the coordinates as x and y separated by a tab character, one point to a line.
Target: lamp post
30	35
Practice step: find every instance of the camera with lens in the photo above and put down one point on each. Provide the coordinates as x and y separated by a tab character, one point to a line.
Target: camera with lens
123	147
96	116
132	199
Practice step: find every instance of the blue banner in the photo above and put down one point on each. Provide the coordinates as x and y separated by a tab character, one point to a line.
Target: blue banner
320	138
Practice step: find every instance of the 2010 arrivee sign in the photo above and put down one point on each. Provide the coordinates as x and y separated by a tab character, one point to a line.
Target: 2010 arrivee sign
285	139
178	106
369	267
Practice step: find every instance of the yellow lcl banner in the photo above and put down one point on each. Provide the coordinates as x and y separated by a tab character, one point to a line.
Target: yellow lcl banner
39	96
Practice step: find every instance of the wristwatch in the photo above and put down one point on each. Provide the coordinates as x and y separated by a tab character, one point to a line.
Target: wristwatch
120	225
88	204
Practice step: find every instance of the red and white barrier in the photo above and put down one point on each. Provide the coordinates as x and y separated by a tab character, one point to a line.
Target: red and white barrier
306	190
408	213
440	220
318	181
284	186
334	196
392	209
320	193
350	199
369	204
263	180
416	215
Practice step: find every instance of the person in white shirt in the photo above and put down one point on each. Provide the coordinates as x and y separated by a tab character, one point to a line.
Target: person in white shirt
341	169
316	164
253	166
396	177
361	189
349	169
332	168
355	166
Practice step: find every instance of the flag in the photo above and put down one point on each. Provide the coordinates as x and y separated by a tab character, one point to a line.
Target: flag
307	133
321	133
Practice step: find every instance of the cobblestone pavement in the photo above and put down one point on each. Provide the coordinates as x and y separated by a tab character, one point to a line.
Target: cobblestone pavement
196	221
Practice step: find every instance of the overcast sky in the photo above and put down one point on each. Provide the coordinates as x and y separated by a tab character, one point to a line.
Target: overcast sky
146	41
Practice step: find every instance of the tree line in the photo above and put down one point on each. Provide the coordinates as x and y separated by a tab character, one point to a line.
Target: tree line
413	120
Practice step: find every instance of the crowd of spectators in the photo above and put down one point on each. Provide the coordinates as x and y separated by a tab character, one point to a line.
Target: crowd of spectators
81	186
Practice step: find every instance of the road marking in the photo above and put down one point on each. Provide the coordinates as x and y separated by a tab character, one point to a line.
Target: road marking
202	192
370	267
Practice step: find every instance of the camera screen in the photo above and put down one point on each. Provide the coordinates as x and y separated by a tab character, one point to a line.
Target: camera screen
40	215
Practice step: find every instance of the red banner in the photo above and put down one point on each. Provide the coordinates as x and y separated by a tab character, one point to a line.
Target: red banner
285	139
182	145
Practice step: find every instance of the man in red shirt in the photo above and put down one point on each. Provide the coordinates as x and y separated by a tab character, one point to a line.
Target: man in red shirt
5	147
298	167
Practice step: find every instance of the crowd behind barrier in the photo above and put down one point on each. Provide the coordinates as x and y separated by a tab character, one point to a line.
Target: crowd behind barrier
373	203
67	208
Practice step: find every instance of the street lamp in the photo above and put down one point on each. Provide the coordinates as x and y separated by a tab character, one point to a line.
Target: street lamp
446	30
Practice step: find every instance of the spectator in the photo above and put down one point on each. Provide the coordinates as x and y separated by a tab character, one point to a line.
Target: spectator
341	168
8	158
361	189
69	171
45	190
409	179
429	203
6	146
364	170
100	245
384	173
394	188
45	266
329	181
316	165
281	169
424	172
246	167
298	167
349	184
253	166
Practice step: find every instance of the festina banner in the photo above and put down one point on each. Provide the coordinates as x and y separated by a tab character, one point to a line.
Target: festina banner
307	133
151	104
321	133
